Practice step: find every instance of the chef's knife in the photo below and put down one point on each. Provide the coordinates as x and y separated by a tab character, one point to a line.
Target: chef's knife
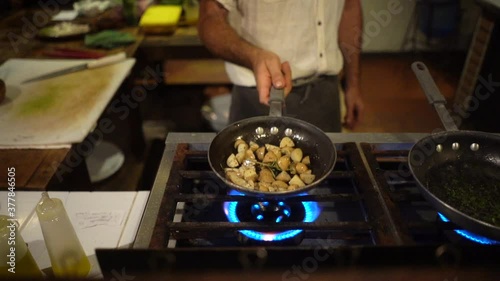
93	64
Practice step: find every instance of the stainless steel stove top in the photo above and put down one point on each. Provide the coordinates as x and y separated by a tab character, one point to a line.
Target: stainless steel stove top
369	199
370	214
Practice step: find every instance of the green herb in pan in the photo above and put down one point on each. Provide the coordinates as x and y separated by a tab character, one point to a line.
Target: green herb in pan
470	187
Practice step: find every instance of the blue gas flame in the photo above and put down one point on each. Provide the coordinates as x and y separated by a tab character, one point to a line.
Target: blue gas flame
312	211
471	236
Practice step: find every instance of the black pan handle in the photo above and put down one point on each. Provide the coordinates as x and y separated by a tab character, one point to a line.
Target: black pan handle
276	102
433	95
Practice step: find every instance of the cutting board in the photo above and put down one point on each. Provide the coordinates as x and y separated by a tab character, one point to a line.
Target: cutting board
57	111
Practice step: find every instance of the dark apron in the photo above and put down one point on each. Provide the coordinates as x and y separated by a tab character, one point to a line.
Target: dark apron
316	102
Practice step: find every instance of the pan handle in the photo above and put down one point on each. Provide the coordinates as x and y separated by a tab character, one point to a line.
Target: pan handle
276	102
433	95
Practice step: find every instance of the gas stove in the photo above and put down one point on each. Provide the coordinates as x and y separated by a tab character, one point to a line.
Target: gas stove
370	198
367	211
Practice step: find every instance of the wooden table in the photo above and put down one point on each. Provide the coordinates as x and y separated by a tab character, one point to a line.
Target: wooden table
36	168
183	44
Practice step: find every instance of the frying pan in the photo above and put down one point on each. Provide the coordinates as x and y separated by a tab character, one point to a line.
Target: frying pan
458	171
270	130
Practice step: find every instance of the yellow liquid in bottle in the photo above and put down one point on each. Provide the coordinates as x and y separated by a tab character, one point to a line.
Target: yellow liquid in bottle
16	256
67	257
25	267
70	265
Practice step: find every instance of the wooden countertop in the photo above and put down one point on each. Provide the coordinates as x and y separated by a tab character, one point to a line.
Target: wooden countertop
18	38
183	44
36	167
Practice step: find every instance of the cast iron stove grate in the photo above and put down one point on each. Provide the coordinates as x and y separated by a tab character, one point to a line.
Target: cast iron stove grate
359	206
400	191
372	216
377	205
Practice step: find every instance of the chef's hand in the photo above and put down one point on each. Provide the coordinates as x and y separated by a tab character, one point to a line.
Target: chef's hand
354	108
270	71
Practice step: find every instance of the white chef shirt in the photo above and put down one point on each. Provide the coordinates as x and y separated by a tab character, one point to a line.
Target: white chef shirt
302	32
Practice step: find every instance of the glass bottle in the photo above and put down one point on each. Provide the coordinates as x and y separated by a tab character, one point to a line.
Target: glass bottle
191	11
130	12
16	260
66	253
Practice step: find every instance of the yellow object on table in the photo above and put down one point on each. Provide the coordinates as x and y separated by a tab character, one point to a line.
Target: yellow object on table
16	260
160	18
191	11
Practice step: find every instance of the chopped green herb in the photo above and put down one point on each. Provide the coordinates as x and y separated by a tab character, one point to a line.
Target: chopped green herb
471	187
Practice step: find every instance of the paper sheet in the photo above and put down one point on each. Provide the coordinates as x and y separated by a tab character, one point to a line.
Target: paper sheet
106	218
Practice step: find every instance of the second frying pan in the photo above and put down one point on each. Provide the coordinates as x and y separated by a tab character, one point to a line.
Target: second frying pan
458	172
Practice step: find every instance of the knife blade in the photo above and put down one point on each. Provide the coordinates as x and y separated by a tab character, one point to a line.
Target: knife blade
92	64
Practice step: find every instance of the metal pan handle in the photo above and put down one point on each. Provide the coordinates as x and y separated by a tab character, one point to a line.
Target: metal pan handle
433	95
276	102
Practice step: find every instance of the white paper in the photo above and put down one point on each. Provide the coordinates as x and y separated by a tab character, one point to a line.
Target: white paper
66	15
92	219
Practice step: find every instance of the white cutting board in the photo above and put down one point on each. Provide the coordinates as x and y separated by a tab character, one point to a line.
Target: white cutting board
57	111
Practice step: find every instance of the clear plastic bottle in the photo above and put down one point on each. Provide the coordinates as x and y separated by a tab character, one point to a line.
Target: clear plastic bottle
66	253
18	263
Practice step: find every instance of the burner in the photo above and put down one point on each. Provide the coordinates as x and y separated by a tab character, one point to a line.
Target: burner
270	212
273	212
471	236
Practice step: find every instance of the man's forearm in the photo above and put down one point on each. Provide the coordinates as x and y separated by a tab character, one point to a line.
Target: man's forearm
220	38
350	32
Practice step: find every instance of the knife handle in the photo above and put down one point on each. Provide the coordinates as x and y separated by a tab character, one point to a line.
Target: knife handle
107	60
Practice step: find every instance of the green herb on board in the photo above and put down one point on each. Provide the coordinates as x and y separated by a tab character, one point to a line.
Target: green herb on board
41	103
